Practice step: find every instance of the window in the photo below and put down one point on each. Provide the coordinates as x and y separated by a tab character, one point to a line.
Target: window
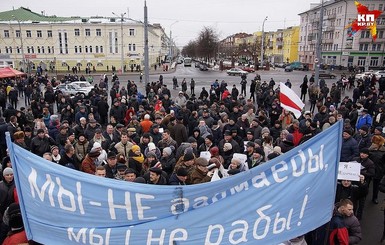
18	49
29	33
17	33
101	49
129	47
90	49
86	49
42	49
361	61
364	47
77	32
132	32
376	47
49	49
88	32
373	61
6	33
133	47
96	49
38	49
80	49
39	34
76	49
99	32
49	33
28	50
8	50
380	34
381	7
380	21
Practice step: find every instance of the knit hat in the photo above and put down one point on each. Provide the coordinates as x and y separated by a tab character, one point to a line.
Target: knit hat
272	155
151	154
277	150
96	145
151	146
265	130
365	128
40	130
7	171
200	161
135	148
167	150
111	155
365	151
348	131
121	166
188	156
290	138
15	219
182	172
158	171
209	137
227	147
191	140
54	147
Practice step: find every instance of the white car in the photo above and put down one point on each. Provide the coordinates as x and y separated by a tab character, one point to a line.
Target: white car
378	74
236	71
83	84
364	75
72	89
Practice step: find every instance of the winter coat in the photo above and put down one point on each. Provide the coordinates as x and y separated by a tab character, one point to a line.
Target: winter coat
378	157
349	150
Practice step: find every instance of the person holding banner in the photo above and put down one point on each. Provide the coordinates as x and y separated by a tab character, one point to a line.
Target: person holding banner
200	173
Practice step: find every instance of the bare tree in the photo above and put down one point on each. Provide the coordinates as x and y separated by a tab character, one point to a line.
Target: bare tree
207	43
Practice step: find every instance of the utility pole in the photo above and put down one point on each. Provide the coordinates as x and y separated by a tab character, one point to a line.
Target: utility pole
21	44
263	37
121	40
317	61
171	43
146	59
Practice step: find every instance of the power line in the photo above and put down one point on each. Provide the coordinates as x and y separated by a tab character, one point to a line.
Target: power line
223	21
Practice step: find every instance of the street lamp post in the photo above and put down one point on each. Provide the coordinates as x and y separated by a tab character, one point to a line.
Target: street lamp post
171	42
319	45
263	37
121	40
21	43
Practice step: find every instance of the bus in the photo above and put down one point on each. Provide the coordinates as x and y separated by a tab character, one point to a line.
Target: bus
187	61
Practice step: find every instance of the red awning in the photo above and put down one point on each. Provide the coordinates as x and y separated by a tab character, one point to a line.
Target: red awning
10	72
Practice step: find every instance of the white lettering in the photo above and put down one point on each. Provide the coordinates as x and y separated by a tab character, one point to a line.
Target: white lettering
174	238
242	230
219	196
239	188
179	205
96	239
294	164
63	192
126	206
211	228
260	180
150	239
262	217
41	193
80	197
278	221
313	158
275	170
128	235
200	202
80	235
140	207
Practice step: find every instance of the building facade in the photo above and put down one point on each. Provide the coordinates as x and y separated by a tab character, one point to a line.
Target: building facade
28	40
339	46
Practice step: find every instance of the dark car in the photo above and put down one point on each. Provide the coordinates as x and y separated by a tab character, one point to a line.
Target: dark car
326	74
203	67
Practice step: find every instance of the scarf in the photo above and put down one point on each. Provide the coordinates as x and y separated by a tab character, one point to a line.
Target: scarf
139	158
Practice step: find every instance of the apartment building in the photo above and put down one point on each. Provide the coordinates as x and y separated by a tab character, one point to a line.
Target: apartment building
340	47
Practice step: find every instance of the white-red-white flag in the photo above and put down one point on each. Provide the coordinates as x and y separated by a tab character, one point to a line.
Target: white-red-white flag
290	100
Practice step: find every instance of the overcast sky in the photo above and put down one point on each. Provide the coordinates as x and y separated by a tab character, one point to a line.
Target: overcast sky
225	16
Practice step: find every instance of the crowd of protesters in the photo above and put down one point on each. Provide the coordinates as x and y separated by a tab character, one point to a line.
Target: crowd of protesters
150	137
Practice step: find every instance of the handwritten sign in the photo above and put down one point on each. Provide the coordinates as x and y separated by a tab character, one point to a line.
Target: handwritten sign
349	171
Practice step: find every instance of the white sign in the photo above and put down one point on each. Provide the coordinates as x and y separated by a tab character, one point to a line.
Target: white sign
316	60
349	171
206	155
241	157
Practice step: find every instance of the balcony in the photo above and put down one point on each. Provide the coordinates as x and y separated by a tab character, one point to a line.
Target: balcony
366	40
327	40
279	46
329	28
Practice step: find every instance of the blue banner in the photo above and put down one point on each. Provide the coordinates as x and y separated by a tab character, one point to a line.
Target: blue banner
276	201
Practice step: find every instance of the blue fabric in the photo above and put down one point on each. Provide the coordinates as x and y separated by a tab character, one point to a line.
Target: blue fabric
276	201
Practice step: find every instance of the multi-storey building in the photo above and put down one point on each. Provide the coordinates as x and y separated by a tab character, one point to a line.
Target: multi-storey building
30	39
339	46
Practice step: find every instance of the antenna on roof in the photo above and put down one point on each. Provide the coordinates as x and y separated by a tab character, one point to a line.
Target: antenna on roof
128	12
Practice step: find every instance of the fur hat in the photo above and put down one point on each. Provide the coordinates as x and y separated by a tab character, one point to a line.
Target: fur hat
200	161
18	135
377	139
290	138
227	147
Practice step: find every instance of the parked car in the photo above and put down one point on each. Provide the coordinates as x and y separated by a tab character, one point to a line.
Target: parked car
288	68
197	64
72	89
203	67
236	71
247	68
378	74
326	74
364	75
83	84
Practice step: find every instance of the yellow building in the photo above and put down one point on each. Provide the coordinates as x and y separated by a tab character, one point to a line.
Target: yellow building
290	44
60	43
